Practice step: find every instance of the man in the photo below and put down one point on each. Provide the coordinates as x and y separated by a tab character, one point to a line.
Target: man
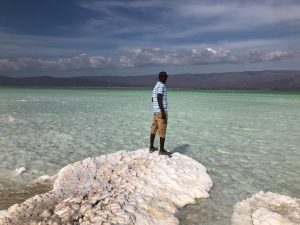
160	117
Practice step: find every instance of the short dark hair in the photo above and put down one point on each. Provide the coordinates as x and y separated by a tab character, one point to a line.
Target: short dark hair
163	74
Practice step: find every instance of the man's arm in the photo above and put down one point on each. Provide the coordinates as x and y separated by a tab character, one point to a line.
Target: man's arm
160	104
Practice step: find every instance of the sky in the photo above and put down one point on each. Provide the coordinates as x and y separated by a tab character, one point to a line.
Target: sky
117	37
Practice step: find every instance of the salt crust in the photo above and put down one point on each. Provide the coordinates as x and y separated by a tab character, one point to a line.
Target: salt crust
121	188
2	213
267	209
19	171
45	179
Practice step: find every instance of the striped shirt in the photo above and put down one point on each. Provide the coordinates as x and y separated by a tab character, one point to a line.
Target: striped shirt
159	88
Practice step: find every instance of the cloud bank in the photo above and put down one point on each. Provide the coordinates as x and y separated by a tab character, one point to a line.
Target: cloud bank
82	61
143	57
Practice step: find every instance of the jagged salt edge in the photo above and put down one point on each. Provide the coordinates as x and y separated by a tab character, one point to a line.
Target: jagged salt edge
281	209
63	189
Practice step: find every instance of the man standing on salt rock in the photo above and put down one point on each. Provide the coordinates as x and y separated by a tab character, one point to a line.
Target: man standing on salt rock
160	117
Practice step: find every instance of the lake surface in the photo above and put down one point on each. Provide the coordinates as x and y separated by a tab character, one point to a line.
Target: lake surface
248	140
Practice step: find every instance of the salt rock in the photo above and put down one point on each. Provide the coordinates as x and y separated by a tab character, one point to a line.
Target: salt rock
267	209
2	212
44	179
135	187
11	119
19	171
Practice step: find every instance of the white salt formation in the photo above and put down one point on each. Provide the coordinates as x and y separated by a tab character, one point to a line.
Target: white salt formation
19	171
2	213
10	118
45	179
267	209
120	188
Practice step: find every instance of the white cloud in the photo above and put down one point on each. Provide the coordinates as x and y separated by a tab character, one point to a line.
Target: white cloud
82	61
258	13
205	56
144	57
257	55
6	65
230	16
148	57
108	14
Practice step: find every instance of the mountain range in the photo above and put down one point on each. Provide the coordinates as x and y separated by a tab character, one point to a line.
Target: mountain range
248	80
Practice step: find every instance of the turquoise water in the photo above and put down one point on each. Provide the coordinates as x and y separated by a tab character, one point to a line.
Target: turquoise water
248	140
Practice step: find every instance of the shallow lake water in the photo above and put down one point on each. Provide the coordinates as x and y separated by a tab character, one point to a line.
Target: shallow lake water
248	140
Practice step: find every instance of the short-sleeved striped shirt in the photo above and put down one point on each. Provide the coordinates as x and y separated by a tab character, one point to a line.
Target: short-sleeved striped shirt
159	88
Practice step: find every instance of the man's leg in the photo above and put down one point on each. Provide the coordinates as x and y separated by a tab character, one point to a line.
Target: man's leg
162	143
162	150
154	128
162	128
152	148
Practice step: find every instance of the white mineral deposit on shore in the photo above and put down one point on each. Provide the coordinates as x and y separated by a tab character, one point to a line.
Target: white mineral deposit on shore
19	171
267	209
11	119
45	179
121	188
2	212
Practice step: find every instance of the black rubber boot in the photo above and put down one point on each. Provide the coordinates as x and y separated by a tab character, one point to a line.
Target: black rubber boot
162	150
152	148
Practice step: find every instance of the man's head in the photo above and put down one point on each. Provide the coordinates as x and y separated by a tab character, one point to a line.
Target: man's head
163	76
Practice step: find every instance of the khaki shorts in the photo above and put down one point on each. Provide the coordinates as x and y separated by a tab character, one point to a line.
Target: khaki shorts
159	125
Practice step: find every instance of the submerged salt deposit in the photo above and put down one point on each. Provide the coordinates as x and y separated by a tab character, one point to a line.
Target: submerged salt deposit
120	188
267	209
19	171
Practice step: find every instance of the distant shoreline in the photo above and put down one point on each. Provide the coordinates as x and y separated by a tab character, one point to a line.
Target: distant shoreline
149	88
249	80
